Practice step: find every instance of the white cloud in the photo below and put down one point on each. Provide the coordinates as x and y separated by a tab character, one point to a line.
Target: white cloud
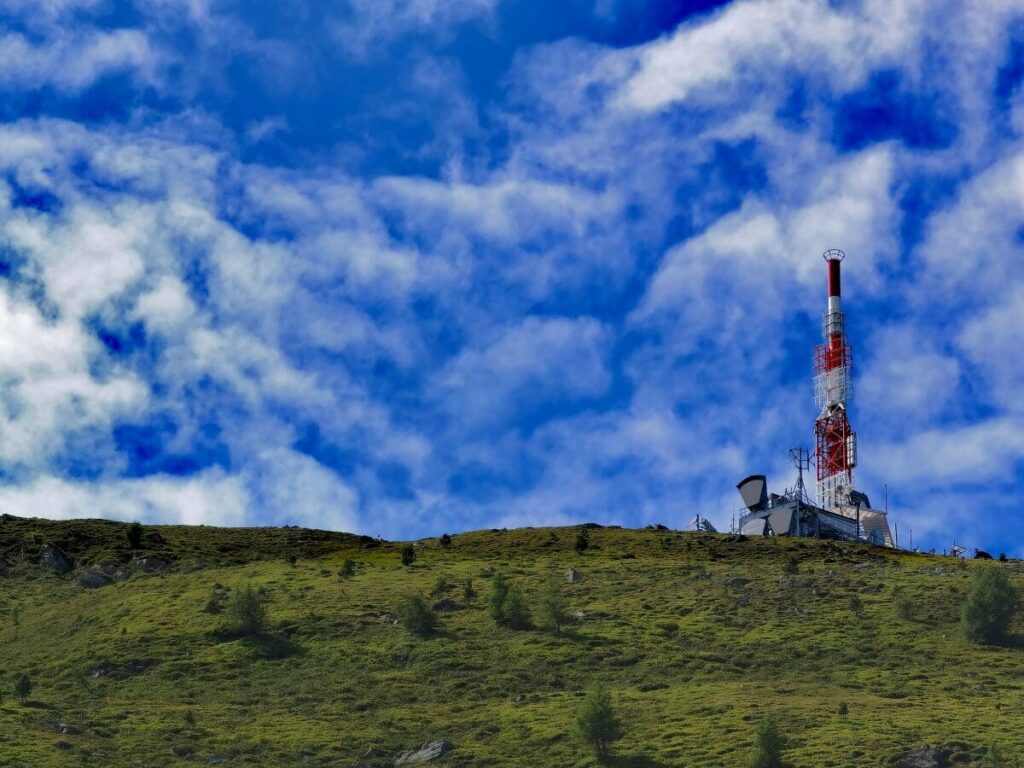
753	264
72	62
374	23
211	498
48	389
293	487
540	359
758	42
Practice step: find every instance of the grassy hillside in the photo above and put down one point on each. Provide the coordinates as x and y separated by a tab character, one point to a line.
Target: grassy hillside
697	636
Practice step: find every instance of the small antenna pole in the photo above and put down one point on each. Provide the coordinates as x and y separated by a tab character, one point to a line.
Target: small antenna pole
800	458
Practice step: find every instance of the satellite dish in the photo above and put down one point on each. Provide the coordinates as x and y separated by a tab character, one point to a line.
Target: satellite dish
754	491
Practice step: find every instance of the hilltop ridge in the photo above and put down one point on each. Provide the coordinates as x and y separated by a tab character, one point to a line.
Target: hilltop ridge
694	634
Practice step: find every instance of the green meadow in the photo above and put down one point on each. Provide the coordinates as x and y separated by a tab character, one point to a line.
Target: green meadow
855	651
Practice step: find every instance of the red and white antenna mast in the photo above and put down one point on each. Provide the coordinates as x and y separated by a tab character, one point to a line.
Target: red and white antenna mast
836	443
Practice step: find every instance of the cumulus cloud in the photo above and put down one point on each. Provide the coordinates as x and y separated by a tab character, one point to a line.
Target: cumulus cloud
539	360
211	498
72	62
373	23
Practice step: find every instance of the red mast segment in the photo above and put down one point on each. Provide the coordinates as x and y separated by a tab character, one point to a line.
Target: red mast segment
836	443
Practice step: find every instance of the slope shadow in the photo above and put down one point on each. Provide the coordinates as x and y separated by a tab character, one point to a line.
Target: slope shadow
273	647
632	761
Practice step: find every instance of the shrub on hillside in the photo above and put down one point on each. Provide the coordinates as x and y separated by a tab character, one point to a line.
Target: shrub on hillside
408	554
348	568
991	604
496	597
468	592
994	758
506	604
23	688
446	540
134	535
514	611
582	541
416	616
247	612
441	587
553	612
906	609
596	721
768	745
792	566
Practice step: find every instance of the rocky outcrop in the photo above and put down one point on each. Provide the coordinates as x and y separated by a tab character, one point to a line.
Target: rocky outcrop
94	578
55	558
447	605
423	753
152	564
923	757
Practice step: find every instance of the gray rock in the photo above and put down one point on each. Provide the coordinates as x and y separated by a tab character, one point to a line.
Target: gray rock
55	558
152	564
423	753
738	581
573	575
580	615
67	730
447	605
94	579
923	757
794	582
101	671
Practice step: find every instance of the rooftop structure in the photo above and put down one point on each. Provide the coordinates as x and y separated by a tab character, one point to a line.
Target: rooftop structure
841	512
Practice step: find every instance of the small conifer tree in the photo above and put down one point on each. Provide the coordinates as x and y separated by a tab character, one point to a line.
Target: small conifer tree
582	541
597	722
247	612
768	745
991	604
506	604
134	535
23	688
514	611
553	613
408	554
416	616
496	597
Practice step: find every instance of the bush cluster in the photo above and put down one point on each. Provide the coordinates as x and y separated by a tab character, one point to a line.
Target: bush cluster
416	616
582	541
134	535
408	554
247	612
506	604
597	722
991	603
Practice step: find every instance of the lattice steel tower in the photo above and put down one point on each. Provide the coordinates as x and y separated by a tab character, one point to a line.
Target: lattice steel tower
836	442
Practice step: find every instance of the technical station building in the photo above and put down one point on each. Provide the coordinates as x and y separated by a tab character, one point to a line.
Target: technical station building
841	512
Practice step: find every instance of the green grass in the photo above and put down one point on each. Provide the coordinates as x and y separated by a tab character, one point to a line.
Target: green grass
692	656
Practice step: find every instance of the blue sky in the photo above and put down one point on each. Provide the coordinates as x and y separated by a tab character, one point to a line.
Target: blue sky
410	266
